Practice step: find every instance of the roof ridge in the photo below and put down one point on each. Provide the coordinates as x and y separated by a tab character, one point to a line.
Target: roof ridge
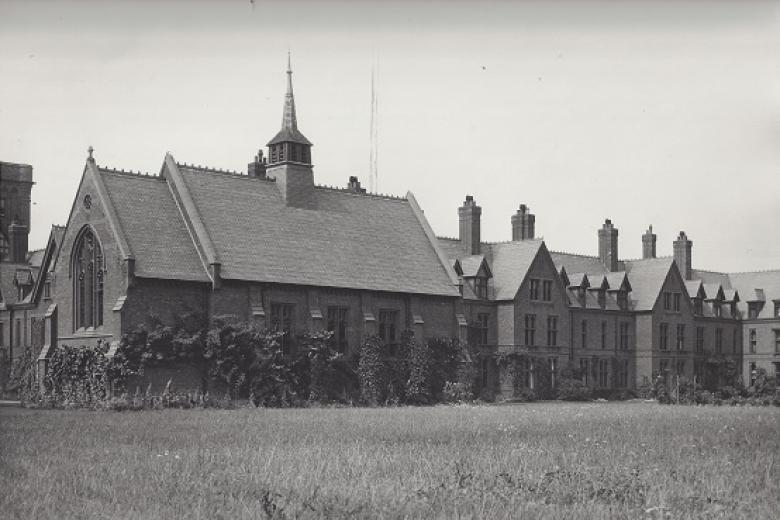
750	272
448	238
122	171
362	194
501	242
211	169
574	254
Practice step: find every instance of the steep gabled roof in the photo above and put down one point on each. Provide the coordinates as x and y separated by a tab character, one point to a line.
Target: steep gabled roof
511	261
713	291
471	266
579	280
618	281
153	227
647	278
359	241
694	288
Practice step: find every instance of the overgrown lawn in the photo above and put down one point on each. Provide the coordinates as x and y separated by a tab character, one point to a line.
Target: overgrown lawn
546	460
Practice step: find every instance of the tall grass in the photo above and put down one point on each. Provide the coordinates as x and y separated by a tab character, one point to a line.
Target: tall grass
547	460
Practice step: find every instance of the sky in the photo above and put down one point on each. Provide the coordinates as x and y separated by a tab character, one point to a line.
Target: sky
663	113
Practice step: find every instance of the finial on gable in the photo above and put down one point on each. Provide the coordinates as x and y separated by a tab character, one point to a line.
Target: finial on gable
90	150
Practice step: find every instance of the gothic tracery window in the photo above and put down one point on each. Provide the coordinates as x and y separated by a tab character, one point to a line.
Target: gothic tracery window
88	281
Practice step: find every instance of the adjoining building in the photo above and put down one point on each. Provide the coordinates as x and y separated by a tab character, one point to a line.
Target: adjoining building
271	246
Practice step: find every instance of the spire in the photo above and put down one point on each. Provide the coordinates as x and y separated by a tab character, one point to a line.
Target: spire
289	132
289	120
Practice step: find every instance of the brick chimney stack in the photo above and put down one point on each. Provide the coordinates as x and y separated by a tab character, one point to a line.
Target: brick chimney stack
257	167
17	242
354	185
470	215
523	224
608	246
682	255
648	243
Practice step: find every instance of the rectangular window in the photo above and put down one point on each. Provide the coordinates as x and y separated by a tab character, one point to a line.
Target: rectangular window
677	302
777	341
753	310
584	333
734	342
603	335
553	371
699	340
482	324
585	370
777	309
664	336
624	336
716	309
622	300
680	336
47	290
663	369
777	371
622	373
534	289
282	321
547	290
2	334
480	287
697	306
667	301
752	341
388	320
337	324
530	329
719	341
552	331
604	373
2	207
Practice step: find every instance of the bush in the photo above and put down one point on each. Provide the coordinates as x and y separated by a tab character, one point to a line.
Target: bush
570	389
457	392
371	371
419	381
22	377
525	395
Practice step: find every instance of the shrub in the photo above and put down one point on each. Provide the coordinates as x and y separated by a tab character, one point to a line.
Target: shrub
419	382
371	371
457	392
570	389
22	377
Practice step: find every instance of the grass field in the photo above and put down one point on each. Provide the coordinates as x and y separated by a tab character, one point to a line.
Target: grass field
547	460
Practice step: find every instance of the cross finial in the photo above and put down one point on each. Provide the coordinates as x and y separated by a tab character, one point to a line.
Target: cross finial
90	150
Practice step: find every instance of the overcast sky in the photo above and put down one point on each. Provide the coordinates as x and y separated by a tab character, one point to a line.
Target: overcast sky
663	113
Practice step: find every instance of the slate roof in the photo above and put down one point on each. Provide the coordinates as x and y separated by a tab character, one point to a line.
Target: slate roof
692	286
578	263
34	258
647	277
470	265
510	263
8	274
747	283
352	240
154	227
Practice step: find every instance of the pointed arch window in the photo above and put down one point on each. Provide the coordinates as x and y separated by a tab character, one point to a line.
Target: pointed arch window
89	269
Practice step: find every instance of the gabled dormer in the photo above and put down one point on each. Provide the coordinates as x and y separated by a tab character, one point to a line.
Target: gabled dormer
730	300
475	273
695	290
714	298
599	286
619	287
578	287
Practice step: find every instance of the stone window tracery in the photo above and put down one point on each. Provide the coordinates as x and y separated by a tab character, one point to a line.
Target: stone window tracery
88	280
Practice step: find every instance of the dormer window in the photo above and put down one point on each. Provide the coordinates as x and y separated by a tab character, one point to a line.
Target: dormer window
480	287
697	306
716	309
581	296
622	300
777	309
602	298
